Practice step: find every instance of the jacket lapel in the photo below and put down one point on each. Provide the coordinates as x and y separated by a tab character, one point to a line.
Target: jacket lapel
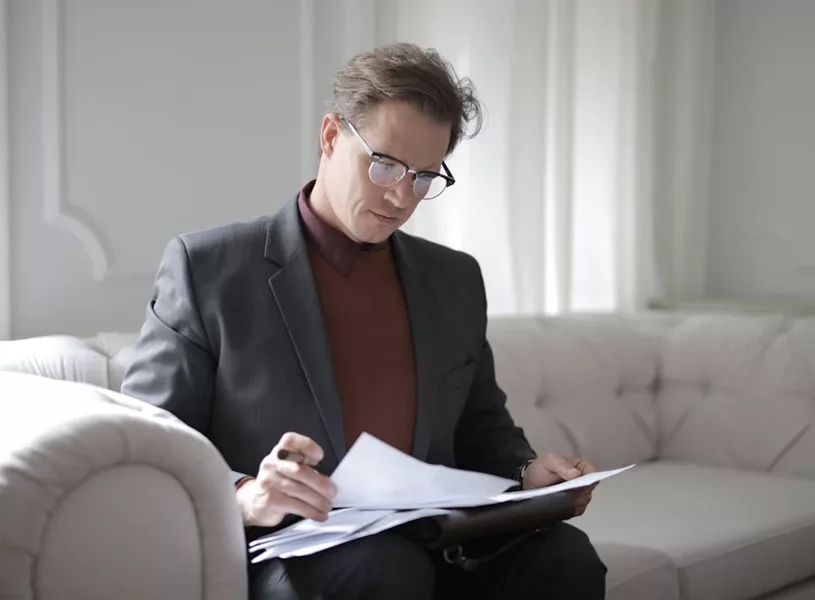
423	315
294	290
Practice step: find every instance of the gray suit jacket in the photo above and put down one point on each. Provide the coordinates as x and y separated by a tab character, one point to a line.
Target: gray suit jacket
234	345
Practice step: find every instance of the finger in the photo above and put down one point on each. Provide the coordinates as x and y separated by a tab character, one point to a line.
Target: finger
584	466
276	485
271	468
584	505
582	501
561	466
584	492
280	502
307	476
295	489
579	508
295	442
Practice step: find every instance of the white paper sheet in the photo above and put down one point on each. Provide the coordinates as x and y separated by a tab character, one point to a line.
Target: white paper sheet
572	484
388	522
317	541
376	475
472	501
342	522
381	488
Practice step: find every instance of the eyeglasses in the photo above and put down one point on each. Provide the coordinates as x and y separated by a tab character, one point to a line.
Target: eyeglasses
387	171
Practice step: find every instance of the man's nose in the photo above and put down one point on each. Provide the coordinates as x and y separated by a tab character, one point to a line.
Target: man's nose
401	195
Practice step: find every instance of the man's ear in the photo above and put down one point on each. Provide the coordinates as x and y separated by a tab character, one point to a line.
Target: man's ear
329	132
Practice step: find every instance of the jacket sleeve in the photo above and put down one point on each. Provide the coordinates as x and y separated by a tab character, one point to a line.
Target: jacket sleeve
173	366
486	437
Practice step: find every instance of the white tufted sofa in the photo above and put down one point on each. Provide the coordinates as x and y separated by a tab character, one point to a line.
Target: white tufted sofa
717	410
103	496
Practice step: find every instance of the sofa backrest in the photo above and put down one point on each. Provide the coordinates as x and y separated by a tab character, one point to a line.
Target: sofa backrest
582	385
730	390
740	391
100	360
719	389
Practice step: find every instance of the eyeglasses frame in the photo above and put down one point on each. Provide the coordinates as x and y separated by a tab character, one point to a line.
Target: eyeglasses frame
374	155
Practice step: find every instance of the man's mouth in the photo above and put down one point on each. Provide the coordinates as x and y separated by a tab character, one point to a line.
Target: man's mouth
384	217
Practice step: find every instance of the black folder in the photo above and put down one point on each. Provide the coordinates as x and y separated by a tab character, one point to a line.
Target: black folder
508	518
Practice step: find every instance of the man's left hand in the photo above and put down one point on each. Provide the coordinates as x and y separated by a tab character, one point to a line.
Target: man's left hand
556	468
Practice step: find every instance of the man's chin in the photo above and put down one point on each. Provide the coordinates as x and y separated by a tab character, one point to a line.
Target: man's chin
376	234
374	239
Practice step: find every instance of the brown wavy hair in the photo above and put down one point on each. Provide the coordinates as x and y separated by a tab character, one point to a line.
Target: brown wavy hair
412	74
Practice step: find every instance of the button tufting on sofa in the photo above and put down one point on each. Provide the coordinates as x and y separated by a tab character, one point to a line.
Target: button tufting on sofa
716	409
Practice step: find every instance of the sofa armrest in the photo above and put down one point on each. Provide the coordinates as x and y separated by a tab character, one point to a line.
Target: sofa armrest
102	496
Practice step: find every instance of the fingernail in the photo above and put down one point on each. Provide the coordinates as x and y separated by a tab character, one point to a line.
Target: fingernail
574	472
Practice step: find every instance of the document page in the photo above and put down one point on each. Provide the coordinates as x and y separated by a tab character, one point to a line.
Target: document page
376	475
572	484
380	487
350	525
342	522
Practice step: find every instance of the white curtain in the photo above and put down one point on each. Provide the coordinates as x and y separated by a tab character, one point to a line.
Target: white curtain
556	196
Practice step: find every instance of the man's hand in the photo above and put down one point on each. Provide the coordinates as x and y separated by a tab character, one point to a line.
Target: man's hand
556	468
287	487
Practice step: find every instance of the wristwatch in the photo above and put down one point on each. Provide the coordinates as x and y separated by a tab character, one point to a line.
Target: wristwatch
521	471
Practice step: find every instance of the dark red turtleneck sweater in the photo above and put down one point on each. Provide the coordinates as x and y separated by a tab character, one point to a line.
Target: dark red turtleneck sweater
368	329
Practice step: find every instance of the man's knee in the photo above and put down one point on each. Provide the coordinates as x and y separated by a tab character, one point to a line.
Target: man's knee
578	560
380	566
389	566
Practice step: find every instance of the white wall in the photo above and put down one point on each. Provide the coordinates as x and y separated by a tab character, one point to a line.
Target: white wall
762	190
5	226
132	122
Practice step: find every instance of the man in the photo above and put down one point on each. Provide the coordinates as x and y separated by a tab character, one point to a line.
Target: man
301	330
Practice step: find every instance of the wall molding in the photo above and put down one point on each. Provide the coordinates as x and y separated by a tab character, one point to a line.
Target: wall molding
5	196
56	210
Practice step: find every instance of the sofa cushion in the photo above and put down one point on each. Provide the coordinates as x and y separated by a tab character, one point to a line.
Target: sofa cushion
55	357
739	391
581	385
636	573
800	591
118	349
731	534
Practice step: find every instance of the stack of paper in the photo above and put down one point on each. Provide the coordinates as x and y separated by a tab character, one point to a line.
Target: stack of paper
344	525
380	487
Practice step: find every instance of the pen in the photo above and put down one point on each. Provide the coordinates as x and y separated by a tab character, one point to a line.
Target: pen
291	455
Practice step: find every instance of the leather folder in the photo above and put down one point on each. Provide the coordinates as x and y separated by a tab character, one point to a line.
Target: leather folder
509	518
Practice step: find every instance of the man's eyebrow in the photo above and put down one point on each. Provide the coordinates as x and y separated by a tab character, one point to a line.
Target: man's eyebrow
429	169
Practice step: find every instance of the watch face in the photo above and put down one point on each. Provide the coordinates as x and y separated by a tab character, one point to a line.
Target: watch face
521	470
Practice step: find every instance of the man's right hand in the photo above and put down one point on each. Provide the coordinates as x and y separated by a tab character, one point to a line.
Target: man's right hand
285	487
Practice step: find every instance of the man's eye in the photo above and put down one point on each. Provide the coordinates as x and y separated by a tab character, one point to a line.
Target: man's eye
390	165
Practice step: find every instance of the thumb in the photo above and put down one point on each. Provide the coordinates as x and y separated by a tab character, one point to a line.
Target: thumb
563	467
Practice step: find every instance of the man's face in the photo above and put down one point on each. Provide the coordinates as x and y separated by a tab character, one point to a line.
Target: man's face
365	211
